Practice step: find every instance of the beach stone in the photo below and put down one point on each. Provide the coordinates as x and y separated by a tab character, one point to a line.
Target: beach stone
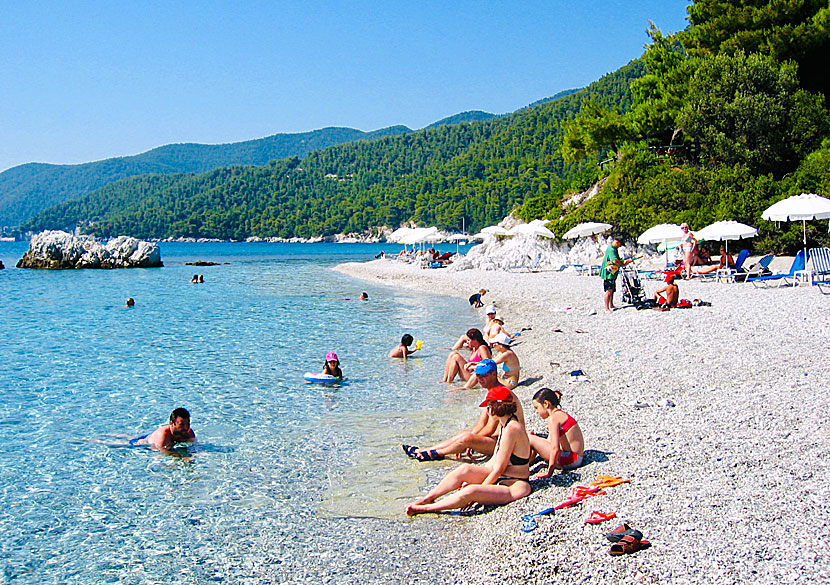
58	250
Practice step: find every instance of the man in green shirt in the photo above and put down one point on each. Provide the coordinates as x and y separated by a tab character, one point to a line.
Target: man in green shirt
608	273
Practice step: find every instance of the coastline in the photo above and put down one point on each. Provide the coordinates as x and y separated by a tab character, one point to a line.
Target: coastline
729	484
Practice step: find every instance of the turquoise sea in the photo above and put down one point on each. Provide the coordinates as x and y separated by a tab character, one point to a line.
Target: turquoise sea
289	482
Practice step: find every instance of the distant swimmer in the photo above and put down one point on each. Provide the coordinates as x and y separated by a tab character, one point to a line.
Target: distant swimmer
165	437
130	302
363	297
201	278
195	279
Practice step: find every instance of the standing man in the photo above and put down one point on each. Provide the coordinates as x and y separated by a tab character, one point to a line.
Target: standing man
608	272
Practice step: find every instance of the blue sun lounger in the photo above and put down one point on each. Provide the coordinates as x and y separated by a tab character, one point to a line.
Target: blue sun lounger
782	278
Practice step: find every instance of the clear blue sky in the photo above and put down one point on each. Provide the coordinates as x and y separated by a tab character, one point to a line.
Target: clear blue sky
83	81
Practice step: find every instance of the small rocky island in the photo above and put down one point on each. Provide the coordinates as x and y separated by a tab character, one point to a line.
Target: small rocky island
57	250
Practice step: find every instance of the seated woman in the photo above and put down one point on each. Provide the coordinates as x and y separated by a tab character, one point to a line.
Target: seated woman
564	446
502	480
507	358
726	261
456	365
402	350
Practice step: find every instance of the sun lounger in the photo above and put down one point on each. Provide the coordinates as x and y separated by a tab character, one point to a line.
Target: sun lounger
759	268
783	277
819	273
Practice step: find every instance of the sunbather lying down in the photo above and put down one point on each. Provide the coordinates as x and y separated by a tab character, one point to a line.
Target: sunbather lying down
503	480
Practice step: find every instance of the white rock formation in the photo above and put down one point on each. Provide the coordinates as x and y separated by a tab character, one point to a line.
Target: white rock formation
59	250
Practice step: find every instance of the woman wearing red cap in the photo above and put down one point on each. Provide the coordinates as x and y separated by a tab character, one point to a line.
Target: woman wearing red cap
502	480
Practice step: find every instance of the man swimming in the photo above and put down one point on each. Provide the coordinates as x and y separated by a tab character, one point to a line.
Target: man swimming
176	431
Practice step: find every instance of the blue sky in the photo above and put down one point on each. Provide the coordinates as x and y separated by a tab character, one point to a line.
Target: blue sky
83	81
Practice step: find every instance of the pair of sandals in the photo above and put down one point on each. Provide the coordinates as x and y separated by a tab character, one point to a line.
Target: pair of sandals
415	453
626	540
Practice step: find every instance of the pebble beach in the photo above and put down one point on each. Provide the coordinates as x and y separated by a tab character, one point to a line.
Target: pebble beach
716	414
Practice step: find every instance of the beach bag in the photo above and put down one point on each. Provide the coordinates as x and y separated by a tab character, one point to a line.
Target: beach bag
683	304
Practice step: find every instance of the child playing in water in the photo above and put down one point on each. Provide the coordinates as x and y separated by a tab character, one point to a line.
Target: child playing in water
564	446
402	350
332	367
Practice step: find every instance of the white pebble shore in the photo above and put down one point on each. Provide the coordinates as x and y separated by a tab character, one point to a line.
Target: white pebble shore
730	485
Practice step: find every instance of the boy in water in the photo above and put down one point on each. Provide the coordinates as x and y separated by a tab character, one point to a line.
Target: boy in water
176	431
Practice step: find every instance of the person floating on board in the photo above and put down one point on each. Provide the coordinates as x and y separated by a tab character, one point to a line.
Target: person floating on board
165	437
332	367
402	349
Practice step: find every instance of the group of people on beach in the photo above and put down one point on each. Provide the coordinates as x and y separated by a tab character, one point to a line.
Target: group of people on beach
499	436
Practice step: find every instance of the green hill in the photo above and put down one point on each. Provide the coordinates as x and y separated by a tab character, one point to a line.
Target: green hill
28	189
478	171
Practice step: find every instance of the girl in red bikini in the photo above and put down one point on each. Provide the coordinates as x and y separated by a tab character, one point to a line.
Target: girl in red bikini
564	446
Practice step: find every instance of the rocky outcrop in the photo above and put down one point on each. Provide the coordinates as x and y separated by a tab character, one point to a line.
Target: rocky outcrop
56	250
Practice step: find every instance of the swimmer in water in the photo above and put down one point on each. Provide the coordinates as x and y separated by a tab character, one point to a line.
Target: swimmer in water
130	302
402	350
364	296
165	437
332	367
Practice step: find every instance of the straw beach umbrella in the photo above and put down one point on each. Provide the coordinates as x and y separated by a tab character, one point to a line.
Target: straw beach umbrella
590	228
806	206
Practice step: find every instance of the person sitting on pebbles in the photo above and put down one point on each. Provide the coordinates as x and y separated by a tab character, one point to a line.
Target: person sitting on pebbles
507	358
481	438
564	446
503	480
669	294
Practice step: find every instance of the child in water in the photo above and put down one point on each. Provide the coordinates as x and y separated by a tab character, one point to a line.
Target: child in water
564	446
332	367
402	350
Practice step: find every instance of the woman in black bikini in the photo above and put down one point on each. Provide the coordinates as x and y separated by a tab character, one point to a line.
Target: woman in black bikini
502	480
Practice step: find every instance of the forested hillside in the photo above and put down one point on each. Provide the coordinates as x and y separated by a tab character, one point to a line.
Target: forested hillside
478	171
28	189
731	117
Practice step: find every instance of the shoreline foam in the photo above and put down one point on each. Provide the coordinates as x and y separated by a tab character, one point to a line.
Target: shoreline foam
730	485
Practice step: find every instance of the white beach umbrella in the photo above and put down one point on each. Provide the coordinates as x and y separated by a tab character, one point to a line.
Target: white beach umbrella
495	230
532	230
799	207
398	234
590	228
723	231
664	232
419	235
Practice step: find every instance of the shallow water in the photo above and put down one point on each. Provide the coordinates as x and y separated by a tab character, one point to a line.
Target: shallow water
289	482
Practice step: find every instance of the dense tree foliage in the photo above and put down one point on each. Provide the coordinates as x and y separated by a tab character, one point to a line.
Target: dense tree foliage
722	124
28	189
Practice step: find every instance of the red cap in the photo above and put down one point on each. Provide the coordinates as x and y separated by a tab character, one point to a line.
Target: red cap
501	393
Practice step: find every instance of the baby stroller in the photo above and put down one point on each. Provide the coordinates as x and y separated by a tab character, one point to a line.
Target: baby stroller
632	289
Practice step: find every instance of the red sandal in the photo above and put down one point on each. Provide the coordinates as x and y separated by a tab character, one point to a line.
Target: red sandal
597	517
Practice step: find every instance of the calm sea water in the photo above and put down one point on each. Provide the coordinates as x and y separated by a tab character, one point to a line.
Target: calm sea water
289	482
